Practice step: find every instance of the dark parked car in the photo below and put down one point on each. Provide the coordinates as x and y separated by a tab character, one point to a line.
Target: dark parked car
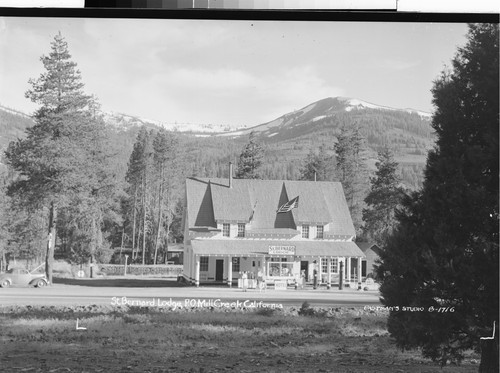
22	277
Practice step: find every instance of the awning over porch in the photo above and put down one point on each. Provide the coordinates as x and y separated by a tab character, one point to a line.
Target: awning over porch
245	247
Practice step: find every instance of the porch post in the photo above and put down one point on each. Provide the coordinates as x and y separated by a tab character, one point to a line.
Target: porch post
197	271
341	274
229	271
348	270
360	279
329	272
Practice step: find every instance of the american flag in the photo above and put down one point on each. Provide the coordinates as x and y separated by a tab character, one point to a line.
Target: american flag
294	203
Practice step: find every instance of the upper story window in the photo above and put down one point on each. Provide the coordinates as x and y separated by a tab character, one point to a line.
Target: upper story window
305	231
226	229
241	229
319	231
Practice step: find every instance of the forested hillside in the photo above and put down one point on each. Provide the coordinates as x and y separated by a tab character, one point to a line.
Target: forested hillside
286	145
134	188
408	134
12	125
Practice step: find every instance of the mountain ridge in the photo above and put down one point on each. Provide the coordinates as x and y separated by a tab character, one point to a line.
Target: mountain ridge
336	104
287	139
320	110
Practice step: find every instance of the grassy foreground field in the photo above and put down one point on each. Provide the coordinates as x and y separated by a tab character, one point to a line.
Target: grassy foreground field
141	339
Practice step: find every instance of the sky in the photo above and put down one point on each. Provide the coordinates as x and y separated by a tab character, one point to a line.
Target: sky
231	72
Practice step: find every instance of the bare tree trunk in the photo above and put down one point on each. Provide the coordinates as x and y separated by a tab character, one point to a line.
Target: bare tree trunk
133	224
166	244
51	241
96	244
160	200
144	221
121	246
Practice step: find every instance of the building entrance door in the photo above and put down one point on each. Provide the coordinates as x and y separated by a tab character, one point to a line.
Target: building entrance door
219	269
304	266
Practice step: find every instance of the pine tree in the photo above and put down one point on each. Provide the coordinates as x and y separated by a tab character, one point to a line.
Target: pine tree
351	169
250	159
320	167
5	232
53	158
140	179
444	252
384	198
94	210
170	174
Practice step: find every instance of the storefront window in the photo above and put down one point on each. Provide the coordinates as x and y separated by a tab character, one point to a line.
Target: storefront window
204	264
225	229
279	267
236	264
333	265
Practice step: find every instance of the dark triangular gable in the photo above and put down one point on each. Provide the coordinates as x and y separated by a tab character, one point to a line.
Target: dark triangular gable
284	219
205	217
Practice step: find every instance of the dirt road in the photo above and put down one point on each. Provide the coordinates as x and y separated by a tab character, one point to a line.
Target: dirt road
105	292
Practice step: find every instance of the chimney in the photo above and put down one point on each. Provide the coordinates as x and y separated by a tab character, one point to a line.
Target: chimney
230	175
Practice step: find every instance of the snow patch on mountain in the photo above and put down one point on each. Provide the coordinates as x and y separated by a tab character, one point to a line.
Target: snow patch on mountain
121	120
422	114
354	103
315	119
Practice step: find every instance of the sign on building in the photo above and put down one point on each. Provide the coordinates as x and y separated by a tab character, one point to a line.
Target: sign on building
281	250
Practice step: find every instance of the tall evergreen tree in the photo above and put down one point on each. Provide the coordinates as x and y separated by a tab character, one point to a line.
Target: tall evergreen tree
140	179
351	169
5	234
320	167
170	174
444	253
53	158
384	198
94	210
250	159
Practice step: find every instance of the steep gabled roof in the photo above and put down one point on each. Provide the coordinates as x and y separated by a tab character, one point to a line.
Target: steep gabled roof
341	222
256	201
199	204
312	202
231	204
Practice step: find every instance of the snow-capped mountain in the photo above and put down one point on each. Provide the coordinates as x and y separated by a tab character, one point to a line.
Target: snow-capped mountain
124	121
354	103
322	110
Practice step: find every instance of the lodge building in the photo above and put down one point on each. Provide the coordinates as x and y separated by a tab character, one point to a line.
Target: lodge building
285	229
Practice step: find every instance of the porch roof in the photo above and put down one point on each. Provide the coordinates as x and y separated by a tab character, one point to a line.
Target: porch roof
246	247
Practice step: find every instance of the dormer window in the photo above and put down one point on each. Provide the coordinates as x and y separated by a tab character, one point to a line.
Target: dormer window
241	229
226	229
305	231
319	231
